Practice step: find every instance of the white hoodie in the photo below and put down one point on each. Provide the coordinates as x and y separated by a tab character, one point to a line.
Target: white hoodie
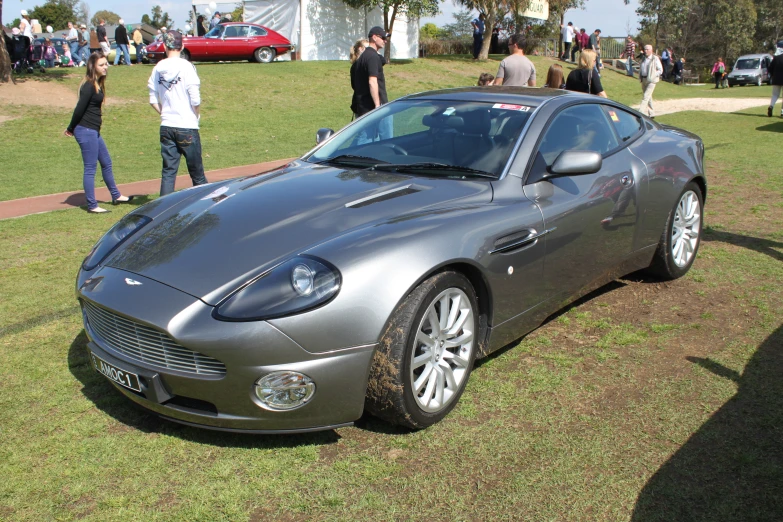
174	84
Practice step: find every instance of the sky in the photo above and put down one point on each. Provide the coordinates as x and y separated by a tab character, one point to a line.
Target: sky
611	16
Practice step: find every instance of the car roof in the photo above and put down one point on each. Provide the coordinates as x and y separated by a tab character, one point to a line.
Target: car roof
241	23
760	55
530	96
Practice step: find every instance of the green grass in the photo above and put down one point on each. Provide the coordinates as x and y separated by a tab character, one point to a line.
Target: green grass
251	113
645	401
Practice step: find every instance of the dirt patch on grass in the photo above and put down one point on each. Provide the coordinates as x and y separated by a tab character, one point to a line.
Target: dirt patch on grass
707	104
4	119
44	94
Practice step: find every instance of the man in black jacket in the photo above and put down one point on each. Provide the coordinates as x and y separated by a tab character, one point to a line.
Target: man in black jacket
121	39
775	70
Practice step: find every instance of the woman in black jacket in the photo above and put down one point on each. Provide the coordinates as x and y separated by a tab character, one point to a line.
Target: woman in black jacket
85	126
586	78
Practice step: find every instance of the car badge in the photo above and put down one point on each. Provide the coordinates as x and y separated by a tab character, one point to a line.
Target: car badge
131	282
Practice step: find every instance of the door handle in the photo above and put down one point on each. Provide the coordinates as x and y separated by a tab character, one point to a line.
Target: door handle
527	240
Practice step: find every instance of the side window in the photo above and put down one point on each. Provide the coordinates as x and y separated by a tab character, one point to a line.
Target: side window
236	31
626	124
582	127
257	31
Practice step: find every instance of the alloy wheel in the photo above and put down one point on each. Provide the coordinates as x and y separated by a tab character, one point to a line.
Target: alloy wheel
440	360
686	229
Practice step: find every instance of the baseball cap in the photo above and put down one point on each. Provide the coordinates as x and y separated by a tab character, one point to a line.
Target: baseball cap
173	40
23	12
15	31
83	26
378	31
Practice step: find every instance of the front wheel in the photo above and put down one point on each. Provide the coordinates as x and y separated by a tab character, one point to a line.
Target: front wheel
758	81
681	235
264	55
425	357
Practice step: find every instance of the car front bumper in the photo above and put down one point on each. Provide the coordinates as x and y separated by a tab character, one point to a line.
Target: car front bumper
248	351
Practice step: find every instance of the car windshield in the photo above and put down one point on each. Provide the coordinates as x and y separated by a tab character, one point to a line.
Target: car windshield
214	32
430	138
747	63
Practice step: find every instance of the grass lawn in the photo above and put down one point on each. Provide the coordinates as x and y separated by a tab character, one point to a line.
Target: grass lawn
644	401
251	113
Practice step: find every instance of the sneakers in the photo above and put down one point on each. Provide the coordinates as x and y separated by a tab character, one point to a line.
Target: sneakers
97	210
769	112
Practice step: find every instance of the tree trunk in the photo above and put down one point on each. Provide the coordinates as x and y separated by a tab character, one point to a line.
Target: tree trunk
388	25
489	25
5	60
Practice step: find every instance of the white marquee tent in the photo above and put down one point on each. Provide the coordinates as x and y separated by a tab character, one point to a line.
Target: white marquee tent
326	29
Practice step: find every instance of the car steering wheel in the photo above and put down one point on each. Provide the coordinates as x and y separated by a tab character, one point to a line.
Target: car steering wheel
397	149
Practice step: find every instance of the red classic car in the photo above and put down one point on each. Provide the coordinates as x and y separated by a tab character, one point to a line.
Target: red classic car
229	41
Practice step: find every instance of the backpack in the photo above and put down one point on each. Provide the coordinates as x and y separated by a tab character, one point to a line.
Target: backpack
721	69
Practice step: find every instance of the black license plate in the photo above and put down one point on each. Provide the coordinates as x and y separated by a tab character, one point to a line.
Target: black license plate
114	374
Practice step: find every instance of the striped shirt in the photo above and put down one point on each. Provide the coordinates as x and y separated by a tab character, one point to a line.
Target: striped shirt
630	49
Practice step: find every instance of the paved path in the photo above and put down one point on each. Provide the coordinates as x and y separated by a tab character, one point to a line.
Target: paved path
38	204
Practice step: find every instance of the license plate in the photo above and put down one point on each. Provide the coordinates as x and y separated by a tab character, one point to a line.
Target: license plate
118	375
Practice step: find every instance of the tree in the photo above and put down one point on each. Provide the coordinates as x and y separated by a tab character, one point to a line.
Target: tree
460	28
5	60
238	14
429	30
82	13
159	18
392	8
56	13
111	18
493	10
14	23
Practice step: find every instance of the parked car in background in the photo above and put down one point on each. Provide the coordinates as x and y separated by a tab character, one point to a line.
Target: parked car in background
227	42
750	69
372	272
131	50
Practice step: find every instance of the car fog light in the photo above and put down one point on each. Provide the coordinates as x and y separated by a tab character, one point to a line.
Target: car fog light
284	390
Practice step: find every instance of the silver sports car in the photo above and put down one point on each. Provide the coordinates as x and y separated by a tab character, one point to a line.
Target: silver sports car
371	273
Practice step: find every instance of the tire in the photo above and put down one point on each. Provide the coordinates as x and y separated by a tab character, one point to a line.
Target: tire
676	250
185	55
406	361
264	54
758	81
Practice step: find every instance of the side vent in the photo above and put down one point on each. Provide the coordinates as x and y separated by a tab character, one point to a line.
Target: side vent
384	196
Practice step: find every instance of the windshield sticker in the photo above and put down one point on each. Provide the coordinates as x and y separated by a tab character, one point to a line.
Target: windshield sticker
511	107
614	117
449	111
215	193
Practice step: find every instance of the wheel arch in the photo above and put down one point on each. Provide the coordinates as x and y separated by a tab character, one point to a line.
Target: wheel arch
702	183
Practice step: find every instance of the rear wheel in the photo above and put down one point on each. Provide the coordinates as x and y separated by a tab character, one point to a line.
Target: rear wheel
185	54
425	357
681	235
264	55
758	81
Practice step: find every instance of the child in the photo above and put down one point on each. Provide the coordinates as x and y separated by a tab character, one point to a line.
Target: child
555	78
485	79
49	53
67	60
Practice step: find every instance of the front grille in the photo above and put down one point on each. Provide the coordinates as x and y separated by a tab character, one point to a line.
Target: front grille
144	344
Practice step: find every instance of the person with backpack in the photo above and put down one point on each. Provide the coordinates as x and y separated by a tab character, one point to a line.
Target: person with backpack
718	71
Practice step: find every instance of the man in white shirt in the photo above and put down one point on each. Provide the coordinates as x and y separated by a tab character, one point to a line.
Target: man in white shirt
568	38
73	41
650	72
174	89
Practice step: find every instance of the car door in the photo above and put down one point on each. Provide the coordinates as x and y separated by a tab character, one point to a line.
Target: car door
590	219
213	42
236	42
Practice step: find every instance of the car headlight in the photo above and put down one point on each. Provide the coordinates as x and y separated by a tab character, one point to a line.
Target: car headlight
116	235
299	284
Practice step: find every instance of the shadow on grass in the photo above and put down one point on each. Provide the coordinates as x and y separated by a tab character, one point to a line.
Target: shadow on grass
79	200
732	468
762	246
49	76
598	292
106	398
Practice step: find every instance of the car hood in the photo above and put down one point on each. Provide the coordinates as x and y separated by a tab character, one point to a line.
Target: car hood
215	240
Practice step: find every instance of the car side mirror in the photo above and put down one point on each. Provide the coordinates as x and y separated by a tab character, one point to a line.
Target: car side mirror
323	135
576	162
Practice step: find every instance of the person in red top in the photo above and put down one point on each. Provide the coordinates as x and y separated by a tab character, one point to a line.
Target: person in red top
583	38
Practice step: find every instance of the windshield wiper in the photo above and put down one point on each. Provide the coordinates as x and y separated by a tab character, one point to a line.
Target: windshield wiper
353	160
435	168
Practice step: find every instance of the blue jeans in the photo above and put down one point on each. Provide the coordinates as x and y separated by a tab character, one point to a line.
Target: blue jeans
94	151
383	131
124	49
175	143
74	47
83	54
